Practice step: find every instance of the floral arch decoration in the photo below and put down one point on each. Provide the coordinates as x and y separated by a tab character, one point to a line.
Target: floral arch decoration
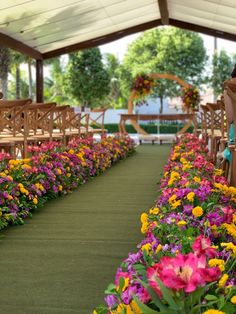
148	81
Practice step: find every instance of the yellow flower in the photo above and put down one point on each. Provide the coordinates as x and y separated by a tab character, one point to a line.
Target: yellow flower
214	262
147	247
231	229
223	280
9	197
187	166
213	312
145	227
181	223
60	188
71	151
134	307
59	171
190	196
95	312
218	172
68	175
26	166
230	247
176	204
172	199
154	211
0	213
233	299
183	160
158	249
197	211
144	217
35	200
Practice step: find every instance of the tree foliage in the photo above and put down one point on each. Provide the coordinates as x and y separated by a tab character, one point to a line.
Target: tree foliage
222	65
87	79
167	50
4	69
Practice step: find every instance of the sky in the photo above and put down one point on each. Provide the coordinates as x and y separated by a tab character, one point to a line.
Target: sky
119	47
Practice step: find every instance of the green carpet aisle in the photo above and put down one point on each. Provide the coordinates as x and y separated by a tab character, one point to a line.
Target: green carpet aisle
61	261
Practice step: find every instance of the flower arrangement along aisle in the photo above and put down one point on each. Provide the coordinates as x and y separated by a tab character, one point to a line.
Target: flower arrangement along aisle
191	97
53	170
142	87
186	262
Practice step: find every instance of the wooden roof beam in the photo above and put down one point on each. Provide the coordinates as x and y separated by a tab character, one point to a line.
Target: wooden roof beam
15	44
163	8
101	40
203	30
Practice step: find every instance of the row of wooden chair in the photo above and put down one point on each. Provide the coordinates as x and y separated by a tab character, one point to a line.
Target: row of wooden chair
23	123
215	129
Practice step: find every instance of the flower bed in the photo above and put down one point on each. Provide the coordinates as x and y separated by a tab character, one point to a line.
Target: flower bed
186	263
53	170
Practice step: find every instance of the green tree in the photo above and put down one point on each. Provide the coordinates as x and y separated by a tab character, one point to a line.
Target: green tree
54	86
4	69
167	50
112	65
87	78
222	65
16	60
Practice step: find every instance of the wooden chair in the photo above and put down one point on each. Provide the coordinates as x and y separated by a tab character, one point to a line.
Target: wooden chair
97	119
14	133
217	131
77	123
230	107
206	122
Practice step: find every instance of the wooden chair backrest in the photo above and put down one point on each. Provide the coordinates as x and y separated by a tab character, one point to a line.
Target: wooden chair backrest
19	102
13	118
98	117
206	118
215	110
40	117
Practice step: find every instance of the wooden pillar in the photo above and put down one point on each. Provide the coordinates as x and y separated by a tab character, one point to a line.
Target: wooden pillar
39	80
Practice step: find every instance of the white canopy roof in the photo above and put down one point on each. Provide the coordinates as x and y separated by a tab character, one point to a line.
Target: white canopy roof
47	28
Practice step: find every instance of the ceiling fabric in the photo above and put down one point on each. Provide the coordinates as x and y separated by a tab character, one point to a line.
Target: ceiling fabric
50	25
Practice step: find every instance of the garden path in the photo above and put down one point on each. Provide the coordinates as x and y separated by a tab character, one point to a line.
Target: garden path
61	261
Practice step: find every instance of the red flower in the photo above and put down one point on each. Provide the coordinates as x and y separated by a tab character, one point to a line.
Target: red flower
187	272
202	246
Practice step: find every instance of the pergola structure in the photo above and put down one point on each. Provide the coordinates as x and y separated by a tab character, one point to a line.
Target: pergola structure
45	29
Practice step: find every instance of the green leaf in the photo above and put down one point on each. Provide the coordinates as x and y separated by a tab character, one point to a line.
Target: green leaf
167	295
210	297
229	308
144	308
156	300
121	284
196	295
111	289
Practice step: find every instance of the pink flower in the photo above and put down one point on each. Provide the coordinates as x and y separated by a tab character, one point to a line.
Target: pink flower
186	272
202	246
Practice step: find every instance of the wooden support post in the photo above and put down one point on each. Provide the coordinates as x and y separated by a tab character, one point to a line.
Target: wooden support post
39	80
163	7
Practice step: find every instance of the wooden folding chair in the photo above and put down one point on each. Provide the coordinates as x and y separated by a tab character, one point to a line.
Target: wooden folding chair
206	122
230	106
96	121
217	117
13	125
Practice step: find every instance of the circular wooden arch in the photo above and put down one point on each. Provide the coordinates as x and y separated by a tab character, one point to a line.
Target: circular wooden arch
153	76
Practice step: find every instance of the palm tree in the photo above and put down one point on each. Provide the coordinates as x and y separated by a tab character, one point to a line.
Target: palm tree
4	69
16	60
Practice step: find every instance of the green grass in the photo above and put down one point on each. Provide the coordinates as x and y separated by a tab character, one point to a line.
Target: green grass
61	261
